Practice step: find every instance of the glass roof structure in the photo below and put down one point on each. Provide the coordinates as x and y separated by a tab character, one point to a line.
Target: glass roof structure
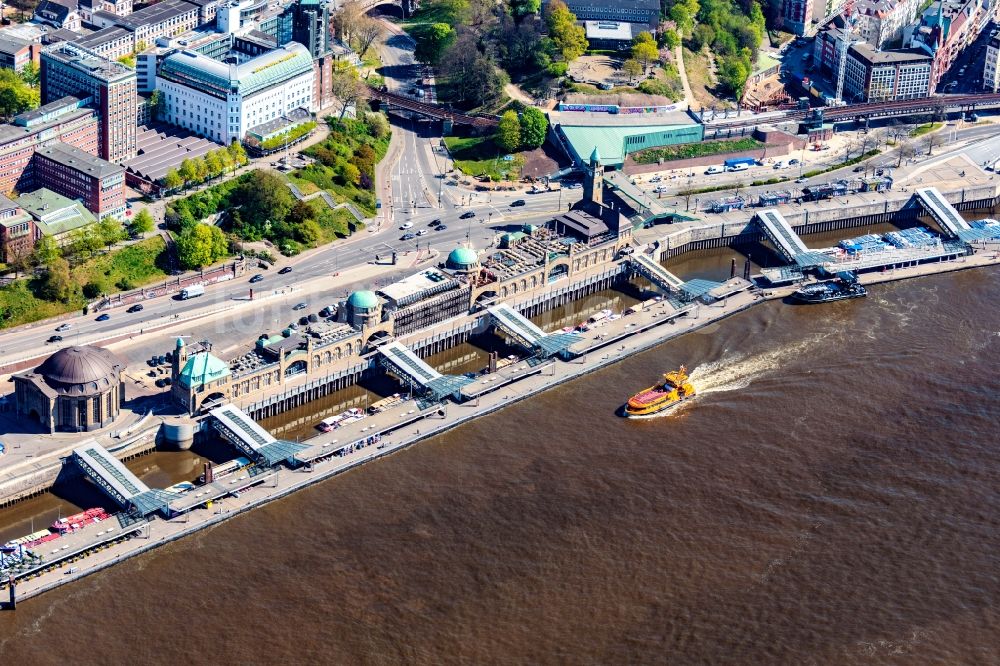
220	79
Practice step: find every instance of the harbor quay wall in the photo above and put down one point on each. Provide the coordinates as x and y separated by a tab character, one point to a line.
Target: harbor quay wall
442	337
38	478
900	210
436	422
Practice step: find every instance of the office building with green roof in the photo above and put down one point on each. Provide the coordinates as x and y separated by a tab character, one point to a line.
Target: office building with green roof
224	101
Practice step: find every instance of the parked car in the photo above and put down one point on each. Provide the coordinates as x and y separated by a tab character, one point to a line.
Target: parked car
467	215
103	317
54	338
792	162
517	204
135	308
63	327
285	271
256	278
300	306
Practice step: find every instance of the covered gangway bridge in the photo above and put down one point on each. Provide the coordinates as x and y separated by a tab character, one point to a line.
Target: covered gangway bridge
119	483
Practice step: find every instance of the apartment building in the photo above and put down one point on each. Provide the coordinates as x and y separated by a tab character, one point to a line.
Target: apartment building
883	76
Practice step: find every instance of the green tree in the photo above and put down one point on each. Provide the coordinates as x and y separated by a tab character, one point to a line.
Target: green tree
520	8
31	75
644	50
238	154
188	171
671	39
46	251
200	169
508	134
347	88
308	232
225	159
57	284
569	38
110	230
534	127
173	180
349	174
378	124
263	196
683	18
16	96
213	165
632	68
201	245
432	41
154	101
92	239
142	223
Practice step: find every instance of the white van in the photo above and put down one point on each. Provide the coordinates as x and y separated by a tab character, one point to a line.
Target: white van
738	167
715	169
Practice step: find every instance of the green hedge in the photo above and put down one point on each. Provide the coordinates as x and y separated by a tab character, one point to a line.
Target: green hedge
297	132
689	150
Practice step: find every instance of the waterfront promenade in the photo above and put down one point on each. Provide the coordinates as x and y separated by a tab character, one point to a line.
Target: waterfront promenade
601	351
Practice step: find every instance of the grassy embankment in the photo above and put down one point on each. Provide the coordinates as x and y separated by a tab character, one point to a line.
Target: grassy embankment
125	268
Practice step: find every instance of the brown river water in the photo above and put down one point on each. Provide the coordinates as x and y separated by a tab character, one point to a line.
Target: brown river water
830	497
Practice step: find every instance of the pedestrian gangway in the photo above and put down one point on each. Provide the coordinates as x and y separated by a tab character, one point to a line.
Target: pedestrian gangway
237	428
785	241
949	219
413	371
527	334
117	481
650	269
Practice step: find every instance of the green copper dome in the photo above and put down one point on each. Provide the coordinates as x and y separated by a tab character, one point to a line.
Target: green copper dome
462	257
363	300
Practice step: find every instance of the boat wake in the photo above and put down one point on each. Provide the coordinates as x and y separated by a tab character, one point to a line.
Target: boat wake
736	371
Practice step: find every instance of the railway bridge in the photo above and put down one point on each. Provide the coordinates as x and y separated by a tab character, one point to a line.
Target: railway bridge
396	102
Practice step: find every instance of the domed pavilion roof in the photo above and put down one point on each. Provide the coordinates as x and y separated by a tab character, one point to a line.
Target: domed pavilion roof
462	257
81	366
363	300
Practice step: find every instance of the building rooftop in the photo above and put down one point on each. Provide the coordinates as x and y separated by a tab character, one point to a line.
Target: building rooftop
79	160
48	112
81	366
103	36
649	5
55	214
55	10
611	30
215	77
161	11
202	368
868	54
7	204
160	149
87	61
12	45
419	286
